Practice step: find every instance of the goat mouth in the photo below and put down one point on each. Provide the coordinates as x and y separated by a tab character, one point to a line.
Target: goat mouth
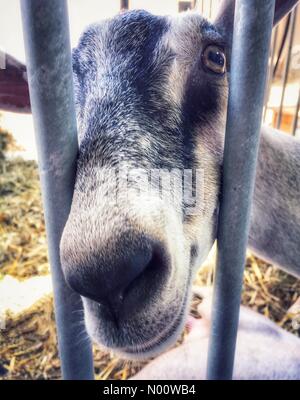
159	343
152	347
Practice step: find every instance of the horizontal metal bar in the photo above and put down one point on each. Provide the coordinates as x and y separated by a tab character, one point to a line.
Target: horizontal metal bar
251	42
48	54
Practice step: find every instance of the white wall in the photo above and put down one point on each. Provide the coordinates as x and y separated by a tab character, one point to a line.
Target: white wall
158	7
85	12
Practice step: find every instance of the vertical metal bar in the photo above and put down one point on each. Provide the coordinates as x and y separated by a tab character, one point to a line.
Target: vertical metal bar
273	53
251	42
295	121
271	72
283	41
287	67
48	54
124	5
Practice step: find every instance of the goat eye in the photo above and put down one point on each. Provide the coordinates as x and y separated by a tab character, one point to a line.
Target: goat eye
213	58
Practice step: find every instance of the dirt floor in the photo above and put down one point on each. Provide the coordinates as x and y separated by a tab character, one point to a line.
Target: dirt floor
28	347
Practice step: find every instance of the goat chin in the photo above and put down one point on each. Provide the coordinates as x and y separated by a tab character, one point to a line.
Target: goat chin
156	343
264	351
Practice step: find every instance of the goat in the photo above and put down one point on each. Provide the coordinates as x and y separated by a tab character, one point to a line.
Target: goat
151	93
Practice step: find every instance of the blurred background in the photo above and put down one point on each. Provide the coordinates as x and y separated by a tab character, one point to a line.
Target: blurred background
27	331
282	98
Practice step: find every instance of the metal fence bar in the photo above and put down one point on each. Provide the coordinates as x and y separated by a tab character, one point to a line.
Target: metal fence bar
287	66
282	44
47	45
210	8
295	121
271	71
251	42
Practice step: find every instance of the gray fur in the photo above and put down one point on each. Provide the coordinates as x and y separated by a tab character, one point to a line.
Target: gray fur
130	112
144	100
275	222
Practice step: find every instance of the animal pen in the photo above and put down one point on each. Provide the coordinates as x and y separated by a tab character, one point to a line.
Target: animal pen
48	54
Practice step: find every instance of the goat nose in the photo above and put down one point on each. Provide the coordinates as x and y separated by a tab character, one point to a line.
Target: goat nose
106	277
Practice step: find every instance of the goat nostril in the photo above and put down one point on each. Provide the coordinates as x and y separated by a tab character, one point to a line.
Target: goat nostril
124	282
149	281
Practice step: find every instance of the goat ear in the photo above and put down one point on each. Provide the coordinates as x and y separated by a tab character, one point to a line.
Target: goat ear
225	17
282	8
14	93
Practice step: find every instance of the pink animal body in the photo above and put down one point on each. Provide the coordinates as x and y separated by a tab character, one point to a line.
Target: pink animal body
264	351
